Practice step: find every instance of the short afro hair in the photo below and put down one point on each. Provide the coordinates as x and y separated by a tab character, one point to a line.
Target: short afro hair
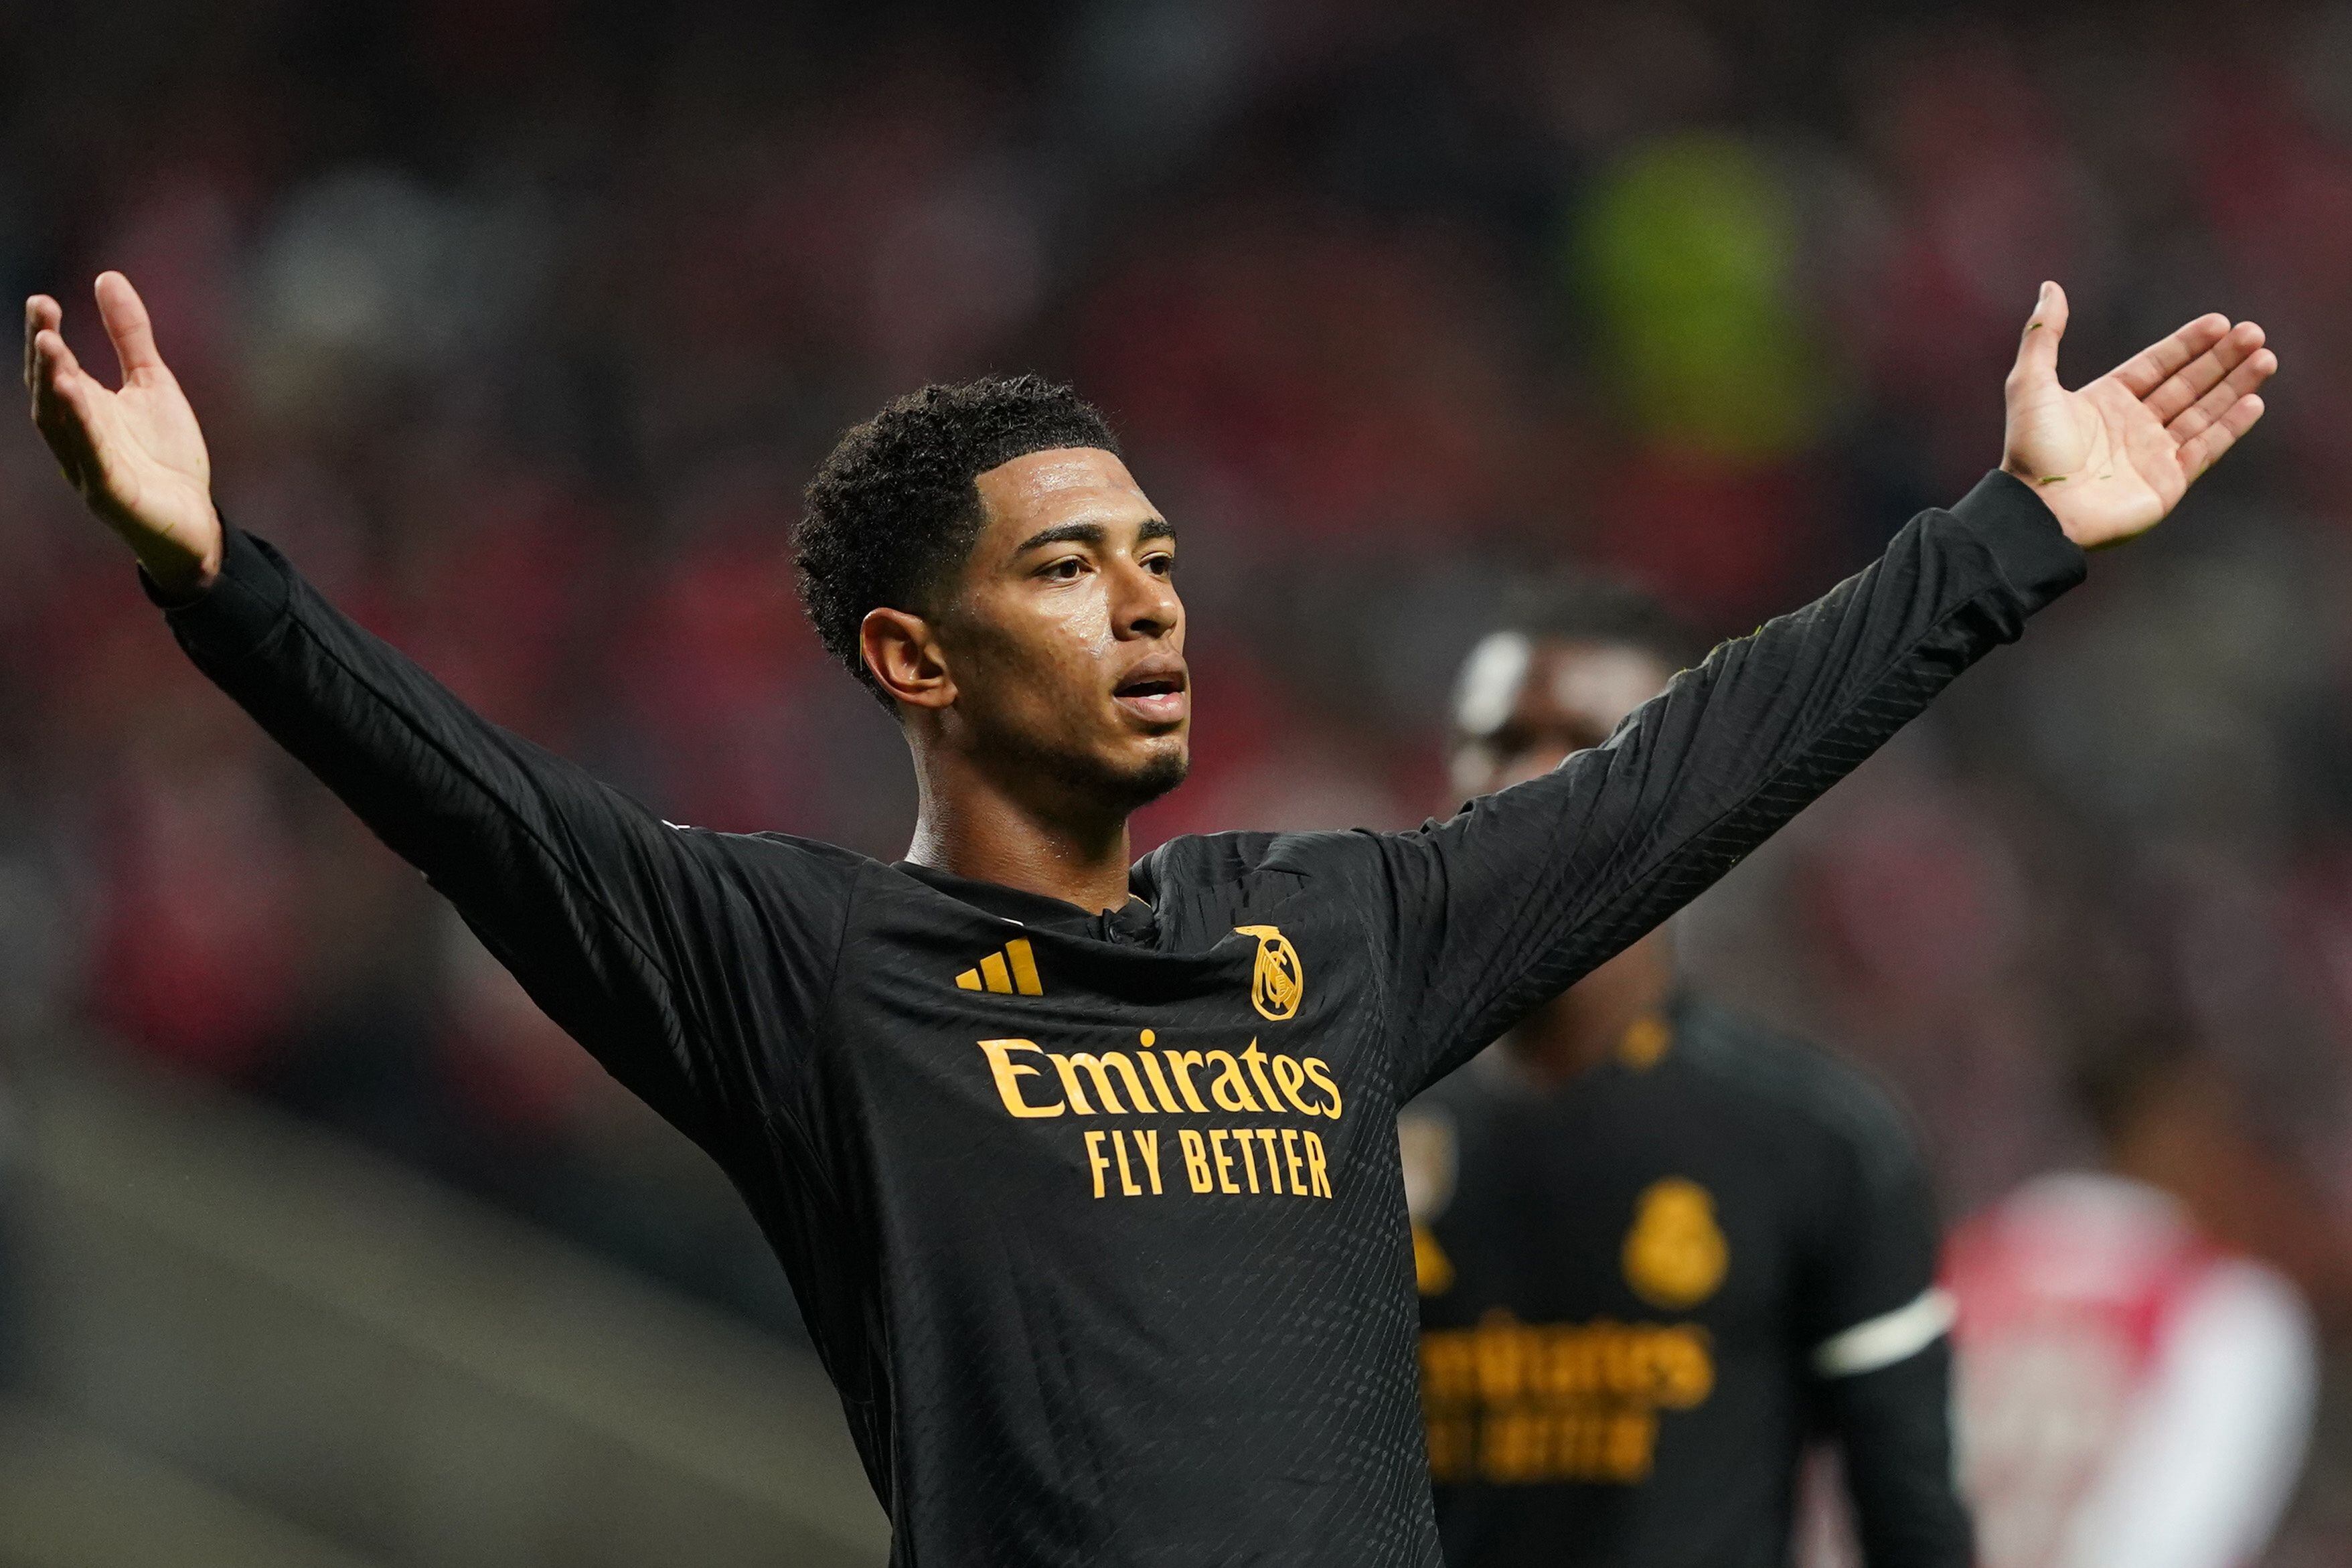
893	510
1602	609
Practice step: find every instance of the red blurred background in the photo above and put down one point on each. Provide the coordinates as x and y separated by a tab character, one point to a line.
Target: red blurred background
519	324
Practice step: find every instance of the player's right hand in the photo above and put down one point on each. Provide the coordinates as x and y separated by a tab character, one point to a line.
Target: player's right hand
135	454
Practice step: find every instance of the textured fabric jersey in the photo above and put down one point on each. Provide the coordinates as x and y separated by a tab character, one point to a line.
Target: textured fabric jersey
1642	1290
1097	1220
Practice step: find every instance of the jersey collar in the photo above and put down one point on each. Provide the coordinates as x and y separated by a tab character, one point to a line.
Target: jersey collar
1132	923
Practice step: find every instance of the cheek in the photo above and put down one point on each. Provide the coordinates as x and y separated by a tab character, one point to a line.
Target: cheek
1039	660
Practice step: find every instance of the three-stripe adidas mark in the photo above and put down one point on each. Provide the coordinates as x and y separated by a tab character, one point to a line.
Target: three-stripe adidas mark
1006	972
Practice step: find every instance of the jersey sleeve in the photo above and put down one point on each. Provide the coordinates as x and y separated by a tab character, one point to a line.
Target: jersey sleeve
1526	890
645	942
1878	1334
2217	1442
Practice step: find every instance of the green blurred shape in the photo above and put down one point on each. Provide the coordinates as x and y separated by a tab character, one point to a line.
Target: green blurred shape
1685	252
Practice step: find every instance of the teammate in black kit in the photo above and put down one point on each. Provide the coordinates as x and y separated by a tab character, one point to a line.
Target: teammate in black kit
1658	1247
1086	1174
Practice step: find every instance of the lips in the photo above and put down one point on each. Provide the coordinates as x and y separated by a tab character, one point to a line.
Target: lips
1156	692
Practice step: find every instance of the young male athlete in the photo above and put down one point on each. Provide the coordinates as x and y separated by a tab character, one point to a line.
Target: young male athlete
1086	1173
2133	1392
1658	1249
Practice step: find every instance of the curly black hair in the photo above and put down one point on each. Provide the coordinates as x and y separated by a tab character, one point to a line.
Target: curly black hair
893	511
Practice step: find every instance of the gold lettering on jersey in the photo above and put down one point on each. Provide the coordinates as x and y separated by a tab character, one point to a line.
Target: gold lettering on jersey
1676	1257
1100	1068
1277	981
1033	1082
1231	1162
1009	1073
1230	1089
1518	1403
1196	1158
1179	1065
1117	1084
1291	1077
1224	1160
1322	1076
1151	1064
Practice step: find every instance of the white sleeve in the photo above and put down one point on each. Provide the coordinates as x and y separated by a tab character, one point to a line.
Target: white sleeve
2217	1442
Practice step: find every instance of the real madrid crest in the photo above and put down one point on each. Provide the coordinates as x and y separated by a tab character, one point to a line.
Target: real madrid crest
1278	983
1675	1256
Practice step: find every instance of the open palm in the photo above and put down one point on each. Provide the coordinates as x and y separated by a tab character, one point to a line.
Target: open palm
2113	459
135	453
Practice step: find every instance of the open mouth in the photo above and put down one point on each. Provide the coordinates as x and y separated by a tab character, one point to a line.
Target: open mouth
1157	696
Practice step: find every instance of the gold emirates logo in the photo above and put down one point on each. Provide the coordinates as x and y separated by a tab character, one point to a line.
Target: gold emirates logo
1676	1255
1278	983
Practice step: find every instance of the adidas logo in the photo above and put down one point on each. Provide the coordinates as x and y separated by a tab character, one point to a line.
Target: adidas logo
1012	971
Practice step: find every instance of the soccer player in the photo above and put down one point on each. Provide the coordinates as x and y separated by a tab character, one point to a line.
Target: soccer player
2134	1394
1084	1173
1659	1248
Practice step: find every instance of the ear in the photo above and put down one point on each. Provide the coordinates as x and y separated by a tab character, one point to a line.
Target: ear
905	656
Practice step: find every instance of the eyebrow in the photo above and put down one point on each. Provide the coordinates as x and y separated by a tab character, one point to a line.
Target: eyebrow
1093	534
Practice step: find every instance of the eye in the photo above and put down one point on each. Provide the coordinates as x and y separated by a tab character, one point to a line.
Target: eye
1161	565
1069	568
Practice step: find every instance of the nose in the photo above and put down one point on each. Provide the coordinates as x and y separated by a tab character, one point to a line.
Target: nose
1143	602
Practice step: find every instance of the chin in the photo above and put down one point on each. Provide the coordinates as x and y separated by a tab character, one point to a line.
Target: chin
1142	780
1124	776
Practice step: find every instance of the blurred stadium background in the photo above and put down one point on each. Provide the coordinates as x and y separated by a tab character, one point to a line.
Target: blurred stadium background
519	324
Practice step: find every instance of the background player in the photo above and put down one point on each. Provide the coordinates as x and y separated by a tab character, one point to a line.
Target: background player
2134	1394
995	1104
1657	1248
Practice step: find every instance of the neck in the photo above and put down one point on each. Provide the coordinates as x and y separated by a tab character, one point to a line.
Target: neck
970	824
1585	1024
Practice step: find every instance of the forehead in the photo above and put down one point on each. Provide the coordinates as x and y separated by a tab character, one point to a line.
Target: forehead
1067	484
1592	677
1539	683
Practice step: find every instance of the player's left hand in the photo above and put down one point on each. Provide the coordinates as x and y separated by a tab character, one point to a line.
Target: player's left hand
2113	459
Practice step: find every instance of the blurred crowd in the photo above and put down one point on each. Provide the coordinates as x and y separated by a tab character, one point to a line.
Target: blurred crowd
517	324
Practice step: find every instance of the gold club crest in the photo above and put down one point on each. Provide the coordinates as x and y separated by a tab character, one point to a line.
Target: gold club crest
1279	982
1676	1255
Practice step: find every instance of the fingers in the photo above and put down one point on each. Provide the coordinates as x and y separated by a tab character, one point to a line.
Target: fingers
2037	350
41	314
2148	369
2181	390
61	404
125	315
61	389
55	373
2247	376
2205	450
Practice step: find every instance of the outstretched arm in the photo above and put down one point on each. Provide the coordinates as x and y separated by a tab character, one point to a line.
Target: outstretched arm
1527	890
642	940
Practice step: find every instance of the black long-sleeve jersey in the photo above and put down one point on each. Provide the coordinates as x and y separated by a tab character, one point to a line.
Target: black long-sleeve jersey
1097	1220
1642	1292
